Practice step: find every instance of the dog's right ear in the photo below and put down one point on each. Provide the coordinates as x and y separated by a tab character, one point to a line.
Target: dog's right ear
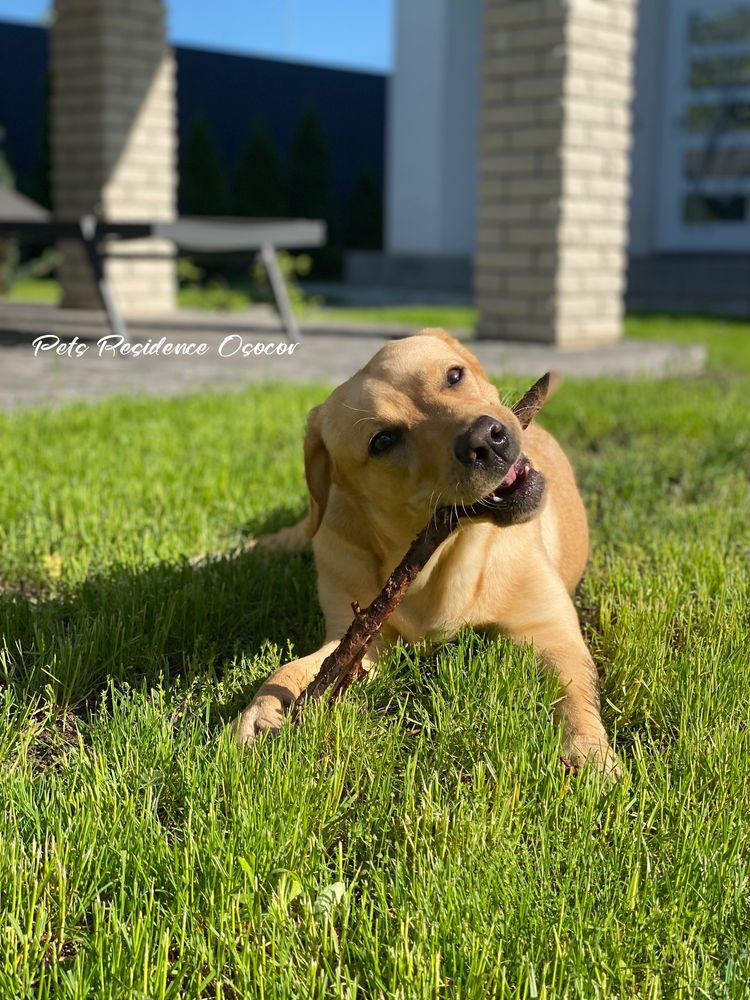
317	470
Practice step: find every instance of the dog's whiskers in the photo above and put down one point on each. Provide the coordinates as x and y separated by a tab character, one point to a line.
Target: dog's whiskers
454	505
430	509
433	515
358	409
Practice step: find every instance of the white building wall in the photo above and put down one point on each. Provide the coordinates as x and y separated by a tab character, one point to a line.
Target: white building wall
433	125
432	164
461	125
647	126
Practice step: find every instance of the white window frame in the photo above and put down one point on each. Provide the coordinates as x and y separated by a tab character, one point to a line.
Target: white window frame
672	232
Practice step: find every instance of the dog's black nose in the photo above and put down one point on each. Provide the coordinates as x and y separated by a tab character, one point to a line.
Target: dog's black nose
484	443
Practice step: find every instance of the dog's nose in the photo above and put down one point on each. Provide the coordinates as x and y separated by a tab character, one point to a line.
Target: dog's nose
486	441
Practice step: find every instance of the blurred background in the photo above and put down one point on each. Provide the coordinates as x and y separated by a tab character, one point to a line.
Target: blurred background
533	165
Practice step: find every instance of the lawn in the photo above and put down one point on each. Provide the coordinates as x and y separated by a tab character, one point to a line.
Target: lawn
46	291
43	291
422	839
449	317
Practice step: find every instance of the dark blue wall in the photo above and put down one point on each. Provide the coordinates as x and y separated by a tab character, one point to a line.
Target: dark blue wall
230	91
23	82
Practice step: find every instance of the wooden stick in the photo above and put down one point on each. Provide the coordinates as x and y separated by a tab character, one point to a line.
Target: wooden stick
534	399
343	665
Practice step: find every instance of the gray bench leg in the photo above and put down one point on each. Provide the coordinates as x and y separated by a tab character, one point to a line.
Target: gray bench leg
280	293
114	316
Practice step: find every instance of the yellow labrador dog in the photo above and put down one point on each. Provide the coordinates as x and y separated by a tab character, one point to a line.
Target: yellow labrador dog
419	427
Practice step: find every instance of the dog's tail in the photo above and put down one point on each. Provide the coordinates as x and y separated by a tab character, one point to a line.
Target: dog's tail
291	539
294	538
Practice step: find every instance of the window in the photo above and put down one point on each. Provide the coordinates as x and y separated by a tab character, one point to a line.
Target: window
729	116
733	26
698	208
719	71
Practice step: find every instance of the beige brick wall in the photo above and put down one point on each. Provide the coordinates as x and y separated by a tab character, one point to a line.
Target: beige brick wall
114	143
553	189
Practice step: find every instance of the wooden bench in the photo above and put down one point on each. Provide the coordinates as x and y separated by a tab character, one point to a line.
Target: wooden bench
21	217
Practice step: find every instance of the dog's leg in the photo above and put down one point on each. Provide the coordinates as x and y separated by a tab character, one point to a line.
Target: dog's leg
550	624
278	693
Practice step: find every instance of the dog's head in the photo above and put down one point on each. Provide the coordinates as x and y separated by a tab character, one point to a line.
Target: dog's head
420	427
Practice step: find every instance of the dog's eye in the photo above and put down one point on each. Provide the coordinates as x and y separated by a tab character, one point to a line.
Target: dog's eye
454	376
383	441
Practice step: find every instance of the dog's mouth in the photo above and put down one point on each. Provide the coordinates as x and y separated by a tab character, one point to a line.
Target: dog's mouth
516	498
515	480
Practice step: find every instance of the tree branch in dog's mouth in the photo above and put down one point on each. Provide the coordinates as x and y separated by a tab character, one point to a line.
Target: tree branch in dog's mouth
534	398
343	666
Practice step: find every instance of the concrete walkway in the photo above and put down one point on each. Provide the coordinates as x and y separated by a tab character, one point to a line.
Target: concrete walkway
31	376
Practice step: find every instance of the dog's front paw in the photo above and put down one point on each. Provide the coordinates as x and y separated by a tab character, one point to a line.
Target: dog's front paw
592	752
264	715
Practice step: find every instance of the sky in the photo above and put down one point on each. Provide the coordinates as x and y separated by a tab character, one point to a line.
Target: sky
349	33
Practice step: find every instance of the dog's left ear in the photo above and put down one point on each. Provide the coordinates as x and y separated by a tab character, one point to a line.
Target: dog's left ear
317	470
466	356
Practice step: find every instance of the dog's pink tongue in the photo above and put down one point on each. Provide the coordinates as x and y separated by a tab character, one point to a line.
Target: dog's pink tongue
510	478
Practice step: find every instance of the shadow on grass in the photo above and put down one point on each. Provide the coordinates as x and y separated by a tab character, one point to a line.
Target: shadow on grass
183	624
163	622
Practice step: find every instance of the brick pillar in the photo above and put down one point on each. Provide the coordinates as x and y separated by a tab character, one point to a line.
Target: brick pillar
554	162
114	143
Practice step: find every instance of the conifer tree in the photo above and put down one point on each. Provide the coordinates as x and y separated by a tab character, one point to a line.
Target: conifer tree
363	229
260	188
310	194
203	188
310	174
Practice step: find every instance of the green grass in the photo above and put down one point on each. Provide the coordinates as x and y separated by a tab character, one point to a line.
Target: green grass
727	340
217	297
46	291
143	856
43	291
451	317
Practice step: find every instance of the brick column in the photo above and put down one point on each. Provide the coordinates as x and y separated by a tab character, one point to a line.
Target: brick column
554	161
114	143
